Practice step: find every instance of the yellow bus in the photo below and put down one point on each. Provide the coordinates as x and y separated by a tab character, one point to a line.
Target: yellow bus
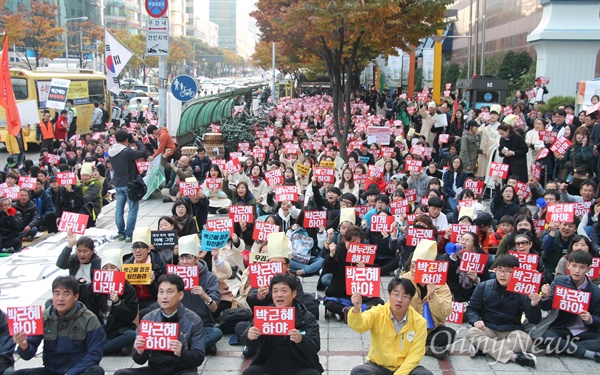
31	92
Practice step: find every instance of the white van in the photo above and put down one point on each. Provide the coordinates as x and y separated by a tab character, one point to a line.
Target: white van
151	90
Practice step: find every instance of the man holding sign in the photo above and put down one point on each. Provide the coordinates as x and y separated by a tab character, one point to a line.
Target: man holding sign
576	329
294	352
181	356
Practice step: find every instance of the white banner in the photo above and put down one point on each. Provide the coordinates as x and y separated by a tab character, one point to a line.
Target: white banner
428	57
117	57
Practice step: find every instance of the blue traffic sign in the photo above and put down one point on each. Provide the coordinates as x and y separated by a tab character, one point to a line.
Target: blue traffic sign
487	96
157	8
184	88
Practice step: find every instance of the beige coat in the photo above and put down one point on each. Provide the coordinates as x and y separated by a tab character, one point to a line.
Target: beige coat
440	303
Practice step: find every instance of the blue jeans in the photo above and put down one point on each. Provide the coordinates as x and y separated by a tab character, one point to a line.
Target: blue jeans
120	212
453	203
120	342
311	268
212	335
326	279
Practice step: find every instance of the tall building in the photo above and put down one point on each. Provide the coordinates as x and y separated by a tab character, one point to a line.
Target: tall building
224	14
198	22
127	15
93	9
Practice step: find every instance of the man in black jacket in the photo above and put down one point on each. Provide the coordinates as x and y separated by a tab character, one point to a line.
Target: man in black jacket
29	213
201	164
575	334
10	224
123	159
495	314
294	354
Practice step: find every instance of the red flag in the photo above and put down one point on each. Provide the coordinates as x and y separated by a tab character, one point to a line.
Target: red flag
7	95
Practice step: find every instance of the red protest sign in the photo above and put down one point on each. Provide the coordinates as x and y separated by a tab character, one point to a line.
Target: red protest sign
535	171
458	312
66	178
27	182
382	223
375	171
530	93
27	320
142	166
325	174
526	261
400	206
244	147
361	211
594	271
459	229
241	213
443	138
561	146
286	193
524	281
157	335
189	189
105	282
220	225
465	203
431	272
265	142
411	194
592	109
413	165
262	273
262	230
473	262
569	119
571	300
274	321
189	274
361	252
387	151
507	110
523	190
292	148
234	155
542	80
363	280
233	166
359	178
71	220
499	170
582	208
213	183
561	212
259	153
543	154
52	159
415	235
274	177
315	219
220	163
475	186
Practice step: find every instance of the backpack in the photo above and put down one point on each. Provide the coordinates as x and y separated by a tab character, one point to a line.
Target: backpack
302	245
136	189
229	318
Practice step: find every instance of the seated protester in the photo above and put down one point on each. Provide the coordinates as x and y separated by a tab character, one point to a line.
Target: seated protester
82	263
297	354
64	351
142	254
306	244
68	198
43	201
199	207
347	185
200	164
555	244
420	182
183	171
346	201
185	223
187	351
7	347
332	204
11	223
241	194
550	197
369	197
454	180
586	191
578	243
434	171
522	222
387	247
337	301
168	255
218	201
461	283
439	219
257	185
29	214
382	203
389	352
505	226
588	220
422	221
495	314
465	195
504	203
575	334
438	299
286	216
116	313
91	189
484	222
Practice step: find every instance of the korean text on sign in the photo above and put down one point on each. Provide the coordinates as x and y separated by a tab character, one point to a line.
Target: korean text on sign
382	223
475	186
499	170
66	178
431	272
360	252
526	261
315	219
262	230
274	177
473	262
458	313
213	183
189	189
274	321
27	320
286	193
571	300
561	212
137	274
262	273
220	225
105	282
241	213
399	207
324	174
459	229
363	280
189	274
163	239
157	335
524	281
415	235
75	222
213	240
414	165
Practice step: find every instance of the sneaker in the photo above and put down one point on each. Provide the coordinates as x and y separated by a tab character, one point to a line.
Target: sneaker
167	200
248	352
128	239
212	350
121	237
597	357
526	359
436	352
128	350
8	250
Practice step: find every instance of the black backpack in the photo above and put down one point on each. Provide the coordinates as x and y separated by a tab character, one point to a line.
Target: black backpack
136	189
230	317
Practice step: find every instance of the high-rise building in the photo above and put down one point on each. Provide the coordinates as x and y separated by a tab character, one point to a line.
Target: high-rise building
129	15
237	30
198	22
93	9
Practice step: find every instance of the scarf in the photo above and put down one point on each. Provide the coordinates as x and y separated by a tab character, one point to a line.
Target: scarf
256	180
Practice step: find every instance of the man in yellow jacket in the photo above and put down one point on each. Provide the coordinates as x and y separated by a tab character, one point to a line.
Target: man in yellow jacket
18	145
437	298
398	332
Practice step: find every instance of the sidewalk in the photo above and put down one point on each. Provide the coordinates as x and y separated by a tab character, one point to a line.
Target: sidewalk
341	348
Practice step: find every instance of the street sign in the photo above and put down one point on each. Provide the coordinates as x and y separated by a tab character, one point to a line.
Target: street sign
157	44
157	25
157	8
184	88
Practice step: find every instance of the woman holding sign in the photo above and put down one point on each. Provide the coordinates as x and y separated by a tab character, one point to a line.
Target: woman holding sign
185	223
513	148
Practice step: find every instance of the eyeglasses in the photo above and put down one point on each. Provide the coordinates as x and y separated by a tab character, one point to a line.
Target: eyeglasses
522	243
503	272
397	295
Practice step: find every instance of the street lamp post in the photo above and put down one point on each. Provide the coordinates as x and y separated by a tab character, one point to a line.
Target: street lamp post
67	36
